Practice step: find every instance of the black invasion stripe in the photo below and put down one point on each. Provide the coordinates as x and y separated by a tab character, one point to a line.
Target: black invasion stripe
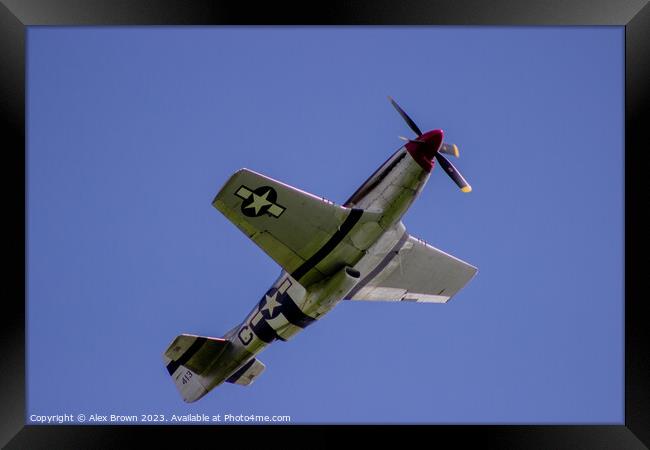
384	262
235	376
294	315
264	331
346	226
185	357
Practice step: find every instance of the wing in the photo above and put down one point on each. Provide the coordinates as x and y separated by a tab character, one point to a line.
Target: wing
417	272
309	236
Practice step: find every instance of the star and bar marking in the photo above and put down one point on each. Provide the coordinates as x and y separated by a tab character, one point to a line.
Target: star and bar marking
259	201
275	310
271	302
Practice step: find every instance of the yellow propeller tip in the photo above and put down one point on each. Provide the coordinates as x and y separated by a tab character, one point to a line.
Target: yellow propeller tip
457	153
467	189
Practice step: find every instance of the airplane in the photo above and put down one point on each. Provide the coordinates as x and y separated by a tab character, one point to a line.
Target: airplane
328	253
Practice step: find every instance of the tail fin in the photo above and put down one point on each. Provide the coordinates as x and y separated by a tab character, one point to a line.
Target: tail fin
187	358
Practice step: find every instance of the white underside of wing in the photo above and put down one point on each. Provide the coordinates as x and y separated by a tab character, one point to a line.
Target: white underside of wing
418	272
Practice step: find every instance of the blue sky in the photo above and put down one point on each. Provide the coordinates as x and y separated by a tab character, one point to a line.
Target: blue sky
132	131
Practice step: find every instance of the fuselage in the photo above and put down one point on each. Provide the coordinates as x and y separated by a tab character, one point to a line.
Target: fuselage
289	306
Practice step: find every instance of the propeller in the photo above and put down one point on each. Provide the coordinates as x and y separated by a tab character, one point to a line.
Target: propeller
406	117
450	149
453	173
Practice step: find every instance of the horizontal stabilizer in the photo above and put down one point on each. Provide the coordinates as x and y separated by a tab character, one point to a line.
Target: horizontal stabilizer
187	358
247	373
194	352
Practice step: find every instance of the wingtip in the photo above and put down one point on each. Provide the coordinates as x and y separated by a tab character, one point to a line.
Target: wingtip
467	188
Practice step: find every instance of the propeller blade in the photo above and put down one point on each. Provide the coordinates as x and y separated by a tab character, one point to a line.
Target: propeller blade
449	149
411	140
406	118
453	173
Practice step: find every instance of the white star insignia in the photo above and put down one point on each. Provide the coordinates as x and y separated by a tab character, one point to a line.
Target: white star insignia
271	303
259	201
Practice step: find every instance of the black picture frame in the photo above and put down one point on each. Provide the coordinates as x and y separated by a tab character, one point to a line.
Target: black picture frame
634	15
